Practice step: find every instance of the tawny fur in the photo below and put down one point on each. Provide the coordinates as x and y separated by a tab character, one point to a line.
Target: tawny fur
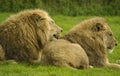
23	35
66	54
96	38
2	54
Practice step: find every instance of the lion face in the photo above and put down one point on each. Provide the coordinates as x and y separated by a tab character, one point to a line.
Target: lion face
110	41
55	31
105	33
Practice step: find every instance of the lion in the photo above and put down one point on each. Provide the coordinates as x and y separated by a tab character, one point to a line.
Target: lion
63	53
23	35
96	38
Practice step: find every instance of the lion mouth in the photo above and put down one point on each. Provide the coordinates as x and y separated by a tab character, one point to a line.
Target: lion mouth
55	36
110	50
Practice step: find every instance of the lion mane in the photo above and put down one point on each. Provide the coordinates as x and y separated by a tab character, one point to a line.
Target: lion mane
23	35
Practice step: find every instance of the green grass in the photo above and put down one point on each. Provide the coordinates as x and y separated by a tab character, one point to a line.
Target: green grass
66	22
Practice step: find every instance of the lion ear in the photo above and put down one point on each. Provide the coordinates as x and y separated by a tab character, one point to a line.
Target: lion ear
35	17
98	27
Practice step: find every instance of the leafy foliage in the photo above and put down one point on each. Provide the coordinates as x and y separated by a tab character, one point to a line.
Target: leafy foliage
65	7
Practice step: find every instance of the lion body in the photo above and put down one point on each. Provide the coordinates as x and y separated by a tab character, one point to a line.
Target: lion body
64	53
23	35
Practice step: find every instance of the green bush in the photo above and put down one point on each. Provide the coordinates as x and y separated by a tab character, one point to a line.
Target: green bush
65	7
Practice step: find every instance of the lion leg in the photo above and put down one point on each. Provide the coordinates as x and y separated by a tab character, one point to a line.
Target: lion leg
2	54
113	65
63	64
8	62
38	61
90	66
68	66
118	61
11	61
3	58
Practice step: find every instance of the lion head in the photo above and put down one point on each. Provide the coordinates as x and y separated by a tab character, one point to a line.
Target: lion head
110	40
26	33
40	21
103	31
95	37
45	26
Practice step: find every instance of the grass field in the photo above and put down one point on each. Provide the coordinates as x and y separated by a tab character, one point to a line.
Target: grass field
66	22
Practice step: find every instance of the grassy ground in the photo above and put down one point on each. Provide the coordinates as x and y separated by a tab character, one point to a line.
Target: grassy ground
66	23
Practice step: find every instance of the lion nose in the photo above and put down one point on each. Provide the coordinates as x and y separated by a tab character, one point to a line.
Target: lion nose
116	44
61	30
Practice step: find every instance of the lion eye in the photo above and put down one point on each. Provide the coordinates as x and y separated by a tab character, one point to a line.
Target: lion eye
52	21
42	19
110	34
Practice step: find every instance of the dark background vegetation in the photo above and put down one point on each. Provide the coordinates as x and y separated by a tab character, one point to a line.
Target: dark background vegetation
65	7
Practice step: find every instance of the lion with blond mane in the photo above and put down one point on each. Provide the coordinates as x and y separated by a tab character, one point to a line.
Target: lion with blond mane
95	39
23	35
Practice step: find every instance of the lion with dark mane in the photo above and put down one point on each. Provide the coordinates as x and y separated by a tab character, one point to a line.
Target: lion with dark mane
23	35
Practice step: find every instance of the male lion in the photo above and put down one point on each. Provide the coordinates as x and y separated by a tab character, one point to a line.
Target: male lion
64	53
23	35
96	38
